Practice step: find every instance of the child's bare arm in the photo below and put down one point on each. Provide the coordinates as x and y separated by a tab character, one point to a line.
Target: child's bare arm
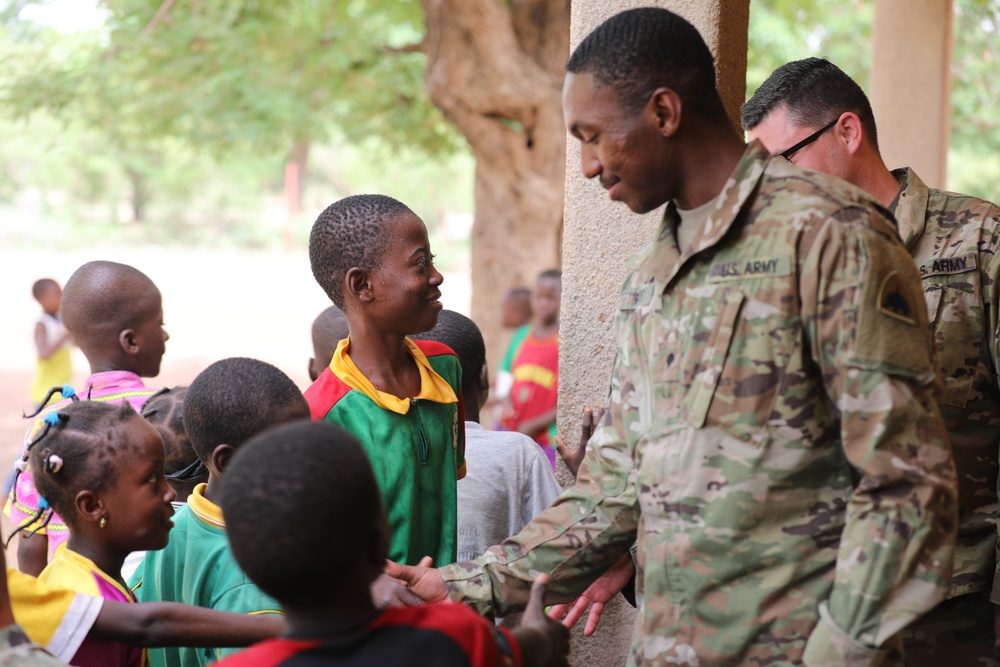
574	457
42	345
155	624
535	425
32	553
543	642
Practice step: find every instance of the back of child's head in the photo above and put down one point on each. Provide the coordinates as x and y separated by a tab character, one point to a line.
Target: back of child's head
78	448
350	233
328	329
466	340
235	399
304	514
102	299
165	411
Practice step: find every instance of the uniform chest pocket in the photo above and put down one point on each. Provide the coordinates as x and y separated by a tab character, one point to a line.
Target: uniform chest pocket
957	316
739	370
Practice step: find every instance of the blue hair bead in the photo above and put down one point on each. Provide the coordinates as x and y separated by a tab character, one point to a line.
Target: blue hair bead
52	419
43	504
67	391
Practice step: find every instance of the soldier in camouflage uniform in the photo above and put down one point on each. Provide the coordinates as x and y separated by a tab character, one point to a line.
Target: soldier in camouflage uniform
16	650
763	368
953	239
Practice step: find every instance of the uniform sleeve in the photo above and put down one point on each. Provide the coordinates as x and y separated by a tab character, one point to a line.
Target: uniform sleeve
56	618
244	599
992	300
460	467
576	539
865	320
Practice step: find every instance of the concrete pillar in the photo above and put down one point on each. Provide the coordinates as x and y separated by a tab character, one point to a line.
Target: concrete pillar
599	236
911	84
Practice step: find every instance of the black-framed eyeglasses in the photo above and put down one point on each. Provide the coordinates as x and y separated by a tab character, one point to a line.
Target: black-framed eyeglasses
788	153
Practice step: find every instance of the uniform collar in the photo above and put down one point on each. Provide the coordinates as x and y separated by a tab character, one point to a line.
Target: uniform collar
203	508
433	387
910	206
662	259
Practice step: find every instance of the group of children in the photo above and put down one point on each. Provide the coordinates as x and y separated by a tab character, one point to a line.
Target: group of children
290	503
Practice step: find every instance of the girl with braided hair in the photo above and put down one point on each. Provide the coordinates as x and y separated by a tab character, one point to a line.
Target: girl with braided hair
100	467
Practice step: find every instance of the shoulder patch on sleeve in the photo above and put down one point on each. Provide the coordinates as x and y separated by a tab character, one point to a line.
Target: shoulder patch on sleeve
893	334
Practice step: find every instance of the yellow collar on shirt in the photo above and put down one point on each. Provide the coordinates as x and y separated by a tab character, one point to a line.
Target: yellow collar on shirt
204	508
433	387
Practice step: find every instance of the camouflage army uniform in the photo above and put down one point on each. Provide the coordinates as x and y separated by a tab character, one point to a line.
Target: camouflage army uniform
786	346
953	239
16	650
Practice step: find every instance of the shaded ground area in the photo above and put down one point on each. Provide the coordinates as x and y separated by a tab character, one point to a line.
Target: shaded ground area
215	305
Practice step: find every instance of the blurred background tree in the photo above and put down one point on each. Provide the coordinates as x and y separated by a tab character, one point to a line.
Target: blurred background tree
204	121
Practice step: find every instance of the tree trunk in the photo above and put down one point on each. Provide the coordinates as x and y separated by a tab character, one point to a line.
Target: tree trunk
495	70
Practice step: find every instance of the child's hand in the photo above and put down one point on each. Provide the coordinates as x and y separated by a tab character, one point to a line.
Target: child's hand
594	598
422	580
574	458
388	592
550	644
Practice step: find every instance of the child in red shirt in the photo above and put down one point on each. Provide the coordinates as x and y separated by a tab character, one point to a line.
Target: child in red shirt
531	405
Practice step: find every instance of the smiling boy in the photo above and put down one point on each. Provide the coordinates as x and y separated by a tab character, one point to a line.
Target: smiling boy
400	398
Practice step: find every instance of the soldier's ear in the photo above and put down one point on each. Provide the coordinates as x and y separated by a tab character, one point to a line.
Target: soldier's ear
850	131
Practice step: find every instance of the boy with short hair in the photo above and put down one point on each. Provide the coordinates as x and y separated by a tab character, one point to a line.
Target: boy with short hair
400	398
531	404
228	403
114	312
510	479
308	474
328	329
54	365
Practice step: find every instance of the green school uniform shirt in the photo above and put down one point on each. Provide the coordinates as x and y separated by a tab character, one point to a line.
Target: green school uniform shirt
197	567
416	446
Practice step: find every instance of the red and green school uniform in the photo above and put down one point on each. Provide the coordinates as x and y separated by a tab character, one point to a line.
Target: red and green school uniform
434	635
416	445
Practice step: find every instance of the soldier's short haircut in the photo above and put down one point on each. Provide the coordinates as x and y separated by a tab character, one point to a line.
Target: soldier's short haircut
307	475
235	399
350	233
815	91
465	339
640	50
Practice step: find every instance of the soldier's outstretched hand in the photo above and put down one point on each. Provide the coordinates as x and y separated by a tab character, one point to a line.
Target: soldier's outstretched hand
423	581
595	597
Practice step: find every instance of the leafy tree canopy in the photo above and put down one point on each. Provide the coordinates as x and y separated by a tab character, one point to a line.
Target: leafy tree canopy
233	74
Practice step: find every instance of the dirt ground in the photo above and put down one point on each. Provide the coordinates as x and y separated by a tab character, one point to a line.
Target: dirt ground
216	305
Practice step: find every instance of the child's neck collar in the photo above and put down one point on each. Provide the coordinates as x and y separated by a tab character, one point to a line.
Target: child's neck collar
343	620
107	560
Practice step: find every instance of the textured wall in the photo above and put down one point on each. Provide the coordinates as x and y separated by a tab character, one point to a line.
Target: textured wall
911	85
598	236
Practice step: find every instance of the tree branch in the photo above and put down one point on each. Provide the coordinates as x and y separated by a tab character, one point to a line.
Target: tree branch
158	17
409	48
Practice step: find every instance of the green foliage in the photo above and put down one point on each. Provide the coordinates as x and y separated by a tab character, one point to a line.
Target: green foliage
237	74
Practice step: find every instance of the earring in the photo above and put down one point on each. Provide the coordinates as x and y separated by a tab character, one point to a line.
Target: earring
103	522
